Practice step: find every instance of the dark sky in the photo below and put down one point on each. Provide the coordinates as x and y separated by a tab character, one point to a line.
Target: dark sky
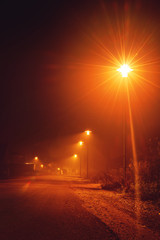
46	86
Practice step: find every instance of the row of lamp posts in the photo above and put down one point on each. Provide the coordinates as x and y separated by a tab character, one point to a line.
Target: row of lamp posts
124	70
87	132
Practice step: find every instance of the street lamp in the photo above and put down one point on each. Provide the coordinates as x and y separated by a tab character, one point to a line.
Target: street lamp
35	162
81	144
75	156
124	70
88	132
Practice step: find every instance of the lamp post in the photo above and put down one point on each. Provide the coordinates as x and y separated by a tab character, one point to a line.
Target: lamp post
81	144
75	156
36	159
124	70
88	132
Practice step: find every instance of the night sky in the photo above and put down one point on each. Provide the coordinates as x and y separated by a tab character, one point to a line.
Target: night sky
49	58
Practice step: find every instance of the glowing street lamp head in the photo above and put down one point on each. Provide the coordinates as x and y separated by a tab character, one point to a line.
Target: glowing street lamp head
124	70
80	143
88	132
36	158
75	155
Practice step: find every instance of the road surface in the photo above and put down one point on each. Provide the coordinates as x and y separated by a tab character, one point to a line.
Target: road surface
46	208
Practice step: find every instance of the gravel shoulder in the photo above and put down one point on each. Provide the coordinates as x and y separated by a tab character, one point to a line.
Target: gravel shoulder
127	217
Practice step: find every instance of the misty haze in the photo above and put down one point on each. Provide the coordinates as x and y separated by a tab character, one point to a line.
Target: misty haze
79	123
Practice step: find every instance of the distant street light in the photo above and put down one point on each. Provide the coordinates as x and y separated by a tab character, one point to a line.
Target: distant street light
42	166
75	156
124	70
88	132
80	143
35	162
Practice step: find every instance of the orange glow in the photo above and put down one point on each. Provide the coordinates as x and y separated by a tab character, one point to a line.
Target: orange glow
80	143
88	132
124	70
58	169
119	46
42	166
75	156
36	158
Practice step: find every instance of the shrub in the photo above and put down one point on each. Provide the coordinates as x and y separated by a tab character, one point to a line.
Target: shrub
110	180
148	179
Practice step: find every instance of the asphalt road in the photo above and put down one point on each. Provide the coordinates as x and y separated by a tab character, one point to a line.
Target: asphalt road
46	208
